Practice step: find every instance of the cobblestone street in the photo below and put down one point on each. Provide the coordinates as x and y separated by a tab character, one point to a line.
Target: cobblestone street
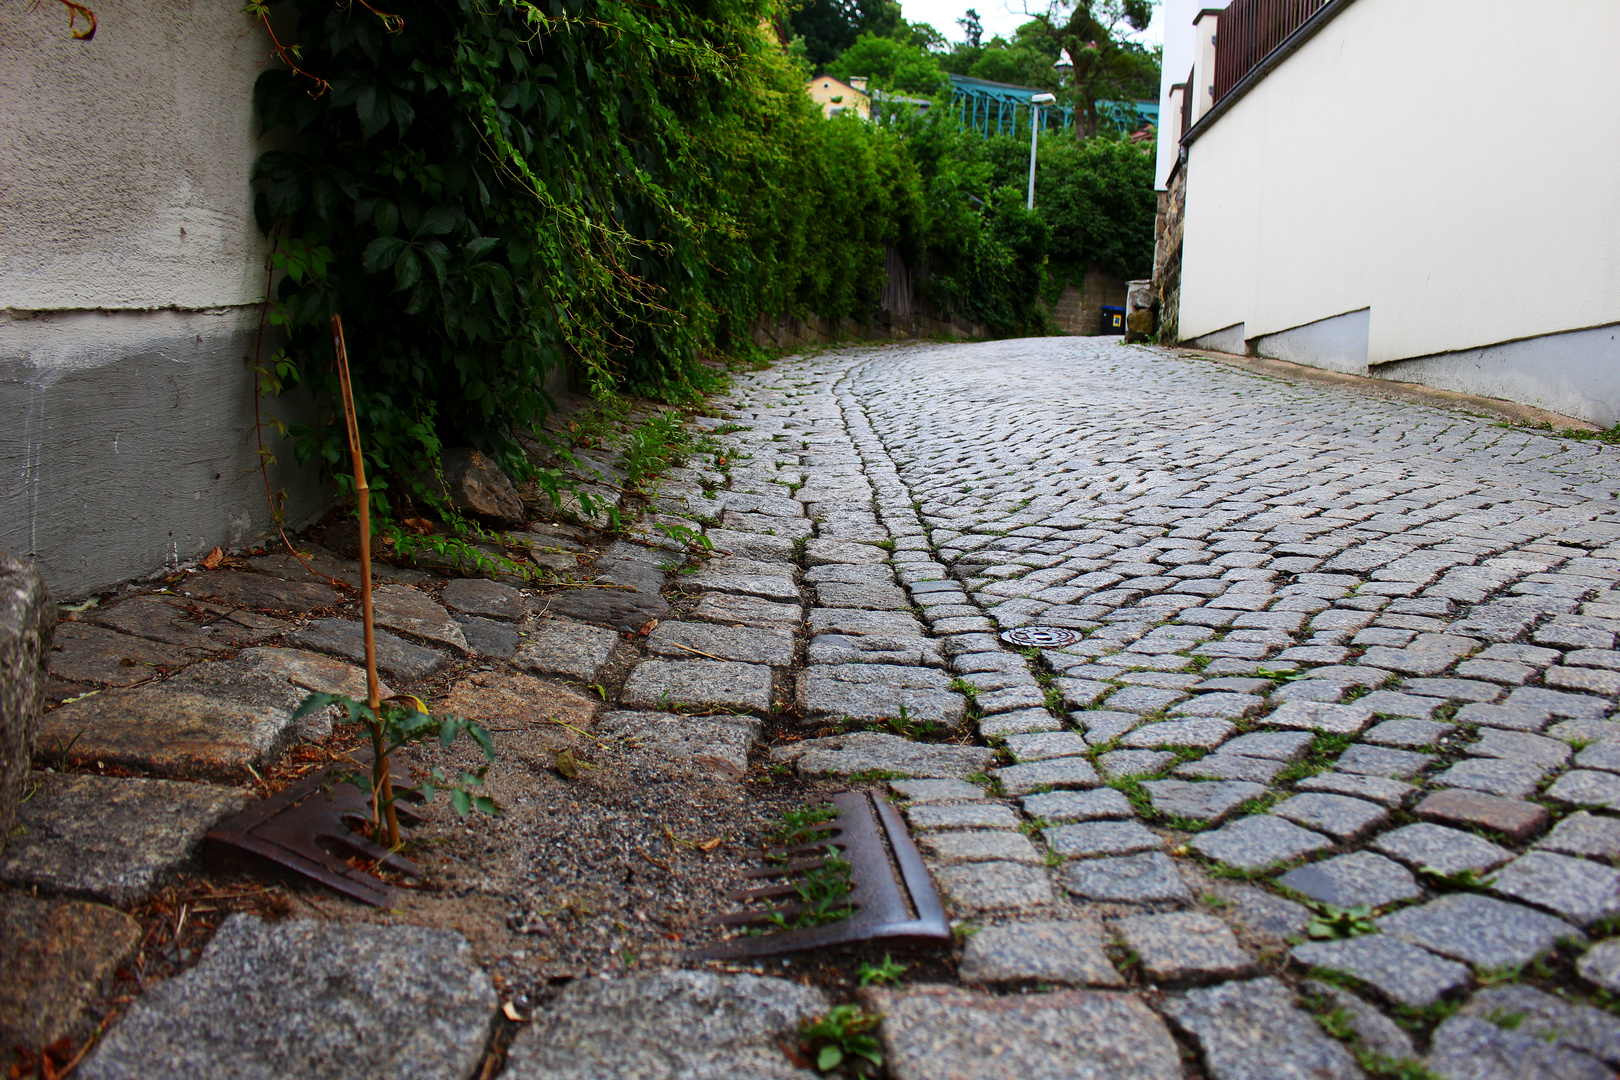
1309	769
1335	651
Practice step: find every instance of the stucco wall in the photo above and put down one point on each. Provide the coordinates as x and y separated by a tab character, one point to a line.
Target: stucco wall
1387	165
130	275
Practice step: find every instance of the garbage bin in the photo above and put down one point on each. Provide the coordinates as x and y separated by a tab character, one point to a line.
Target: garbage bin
1113	320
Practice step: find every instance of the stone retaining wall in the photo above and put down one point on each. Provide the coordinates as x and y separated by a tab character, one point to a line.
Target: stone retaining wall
27	623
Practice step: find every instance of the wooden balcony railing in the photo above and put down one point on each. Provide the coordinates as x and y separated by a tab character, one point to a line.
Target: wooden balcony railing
1249	30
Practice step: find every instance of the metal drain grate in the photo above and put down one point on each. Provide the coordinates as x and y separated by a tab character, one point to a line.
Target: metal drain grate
892	906
305	828
1041	637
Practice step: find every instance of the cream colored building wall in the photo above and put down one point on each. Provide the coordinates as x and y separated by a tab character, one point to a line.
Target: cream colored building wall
1392	164
131	281
824	88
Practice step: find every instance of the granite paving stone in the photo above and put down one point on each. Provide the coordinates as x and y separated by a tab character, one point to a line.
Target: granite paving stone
1580	890
1379	789
1254	1031
1100	725
394	1001
1277	745
1092	838
1061	806
1550	1019
1494	776
1262	912
1258	842
1063	953
60	956
1023	722
1488	933
1339	816
479	596
1147	878
1143	699
1381	761
878	691
1582	787
1230	706
1206	733
396	658
979	845
1121	764
1517	819
1399	971
1359	878
937	1032
1202	801
1227	766
1184	945
1040	746
685	641
935	792
410	611
1600	965
981	815
735	610
699	739
1318	716
663	684
490	637
993	886
876	751
696	1024
1407	733
1056	773
1375	1033
1604	756
1583	833
1446	851
1468	1048
555	647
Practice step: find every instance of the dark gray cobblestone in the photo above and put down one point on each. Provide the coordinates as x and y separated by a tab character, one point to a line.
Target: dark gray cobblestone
1358	649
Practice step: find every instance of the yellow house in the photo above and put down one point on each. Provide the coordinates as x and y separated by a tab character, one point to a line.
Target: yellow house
836	96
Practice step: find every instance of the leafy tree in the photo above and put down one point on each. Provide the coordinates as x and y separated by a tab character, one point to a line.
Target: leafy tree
892	65
831	26
1106	66
1025	61
972	28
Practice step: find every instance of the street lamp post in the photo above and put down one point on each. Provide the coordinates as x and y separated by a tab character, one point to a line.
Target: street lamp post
1035	104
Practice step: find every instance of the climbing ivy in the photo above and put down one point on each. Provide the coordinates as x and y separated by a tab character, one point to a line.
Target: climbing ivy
486	190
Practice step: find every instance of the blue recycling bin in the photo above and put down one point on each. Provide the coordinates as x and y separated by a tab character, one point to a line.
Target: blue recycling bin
1113	320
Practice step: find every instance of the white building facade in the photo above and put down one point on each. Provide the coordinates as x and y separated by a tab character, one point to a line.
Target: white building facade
1408	191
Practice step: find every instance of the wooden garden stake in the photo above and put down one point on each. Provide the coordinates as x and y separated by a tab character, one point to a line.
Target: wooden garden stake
382	786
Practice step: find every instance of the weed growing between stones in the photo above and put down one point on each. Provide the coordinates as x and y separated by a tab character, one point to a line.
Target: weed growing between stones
843	1038
1331	922
403	723
880	974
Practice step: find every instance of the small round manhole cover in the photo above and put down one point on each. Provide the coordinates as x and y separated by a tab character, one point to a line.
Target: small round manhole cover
1041	637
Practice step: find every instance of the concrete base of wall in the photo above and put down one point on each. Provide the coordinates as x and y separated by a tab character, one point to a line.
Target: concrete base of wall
1227	340
129	443
1337	343
1576	373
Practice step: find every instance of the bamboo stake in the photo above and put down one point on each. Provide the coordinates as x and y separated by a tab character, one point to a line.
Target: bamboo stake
382	784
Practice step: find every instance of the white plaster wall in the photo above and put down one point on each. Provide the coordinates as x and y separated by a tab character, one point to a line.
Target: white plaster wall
131	282
1178	60
124	161
1394	163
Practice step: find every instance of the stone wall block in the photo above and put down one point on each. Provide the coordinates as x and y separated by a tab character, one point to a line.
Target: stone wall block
27	623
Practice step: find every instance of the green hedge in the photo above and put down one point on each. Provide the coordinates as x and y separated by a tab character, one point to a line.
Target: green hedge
498	189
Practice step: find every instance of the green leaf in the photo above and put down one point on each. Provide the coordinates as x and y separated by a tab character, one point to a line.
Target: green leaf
381	252
829	1058
438	221
407	270
461	801
316	702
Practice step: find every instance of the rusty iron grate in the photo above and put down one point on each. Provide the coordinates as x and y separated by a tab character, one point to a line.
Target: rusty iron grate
306	828
891	894
1041	637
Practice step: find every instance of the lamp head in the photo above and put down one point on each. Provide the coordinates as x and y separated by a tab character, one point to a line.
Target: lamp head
1042	99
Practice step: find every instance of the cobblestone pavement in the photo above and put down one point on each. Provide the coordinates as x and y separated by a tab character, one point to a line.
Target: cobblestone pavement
1330	651
1315	776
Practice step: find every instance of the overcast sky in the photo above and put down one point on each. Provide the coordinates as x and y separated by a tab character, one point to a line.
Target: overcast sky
999	17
